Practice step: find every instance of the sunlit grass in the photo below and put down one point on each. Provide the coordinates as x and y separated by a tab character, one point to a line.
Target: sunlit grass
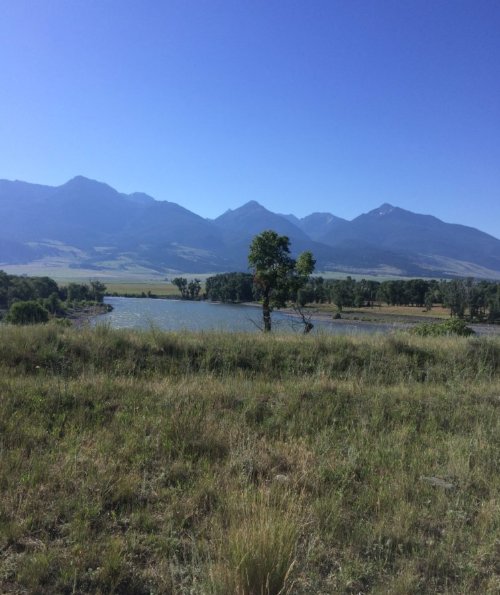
436	311
140	288
227	463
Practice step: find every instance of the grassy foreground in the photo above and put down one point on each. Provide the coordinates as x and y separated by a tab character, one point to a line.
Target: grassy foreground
233	464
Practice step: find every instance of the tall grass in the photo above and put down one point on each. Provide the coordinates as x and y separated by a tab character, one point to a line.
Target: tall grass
258	545
218	463
55	350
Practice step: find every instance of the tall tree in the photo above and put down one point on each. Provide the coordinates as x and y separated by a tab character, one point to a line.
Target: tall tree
277	276
194	288
97	290
182	285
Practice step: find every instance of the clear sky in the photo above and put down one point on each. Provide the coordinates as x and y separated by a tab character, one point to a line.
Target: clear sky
310	105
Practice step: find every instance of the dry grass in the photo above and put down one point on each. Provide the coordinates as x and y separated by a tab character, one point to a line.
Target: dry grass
214	463
386	310
139	288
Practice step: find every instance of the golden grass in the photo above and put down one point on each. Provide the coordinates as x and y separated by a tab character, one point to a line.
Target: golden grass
386	310
164	289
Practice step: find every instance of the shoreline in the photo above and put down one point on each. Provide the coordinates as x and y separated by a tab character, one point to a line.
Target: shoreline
81	316
390	320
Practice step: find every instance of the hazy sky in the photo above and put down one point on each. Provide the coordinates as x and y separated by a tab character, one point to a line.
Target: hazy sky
310	105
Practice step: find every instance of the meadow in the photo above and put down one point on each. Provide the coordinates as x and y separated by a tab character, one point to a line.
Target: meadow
386	312
141	289
212	463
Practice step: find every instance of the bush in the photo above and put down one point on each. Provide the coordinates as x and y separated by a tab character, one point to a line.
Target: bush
453	326
29	312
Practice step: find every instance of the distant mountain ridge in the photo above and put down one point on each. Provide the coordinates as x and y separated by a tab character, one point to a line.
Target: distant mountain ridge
89	225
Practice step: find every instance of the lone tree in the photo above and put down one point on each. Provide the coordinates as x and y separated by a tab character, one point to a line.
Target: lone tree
277	276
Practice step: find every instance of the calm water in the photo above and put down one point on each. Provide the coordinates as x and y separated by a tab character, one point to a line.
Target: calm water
145	313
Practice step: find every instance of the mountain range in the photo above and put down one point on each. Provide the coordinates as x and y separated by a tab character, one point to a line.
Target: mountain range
85	224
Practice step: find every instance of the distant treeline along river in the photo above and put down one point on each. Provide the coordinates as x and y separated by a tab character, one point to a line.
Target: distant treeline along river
176	315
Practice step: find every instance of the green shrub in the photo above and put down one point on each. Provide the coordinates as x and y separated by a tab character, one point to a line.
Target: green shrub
29	312
453	326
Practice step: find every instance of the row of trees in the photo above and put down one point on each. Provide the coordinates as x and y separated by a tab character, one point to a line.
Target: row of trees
279	280
190	290
34	299
231	288
14	288
366	293
466	298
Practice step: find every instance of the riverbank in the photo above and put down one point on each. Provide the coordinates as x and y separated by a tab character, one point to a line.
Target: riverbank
80	315
395	318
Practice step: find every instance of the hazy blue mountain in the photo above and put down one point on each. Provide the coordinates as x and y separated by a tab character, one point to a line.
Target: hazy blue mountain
21	205
12	251
81	211
106	226
252	218
429	241
358	256
318	225
141	198
88	224
173	237
240	225
292	218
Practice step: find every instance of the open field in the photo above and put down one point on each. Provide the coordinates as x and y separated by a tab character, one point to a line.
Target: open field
64	273
228	464
435	312
62	269
388	275
141	288
384	311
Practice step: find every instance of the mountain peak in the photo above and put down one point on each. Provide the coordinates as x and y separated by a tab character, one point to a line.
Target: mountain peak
384	209
81	180
253	218
252	204
81	183
98	227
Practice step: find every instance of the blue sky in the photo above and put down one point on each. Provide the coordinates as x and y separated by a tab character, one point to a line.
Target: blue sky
317	105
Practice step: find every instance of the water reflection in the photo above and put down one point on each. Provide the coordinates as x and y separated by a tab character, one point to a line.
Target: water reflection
146	313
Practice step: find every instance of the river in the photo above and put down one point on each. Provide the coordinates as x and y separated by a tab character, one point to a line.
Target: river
175	315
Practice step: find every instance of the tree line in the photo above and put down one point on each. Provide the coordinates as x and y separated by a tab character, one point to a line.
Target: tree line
467	299
26	299
190	290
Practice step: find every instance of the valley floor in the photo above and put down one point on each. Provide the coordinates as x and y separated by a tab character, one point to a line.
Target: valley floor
222	463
